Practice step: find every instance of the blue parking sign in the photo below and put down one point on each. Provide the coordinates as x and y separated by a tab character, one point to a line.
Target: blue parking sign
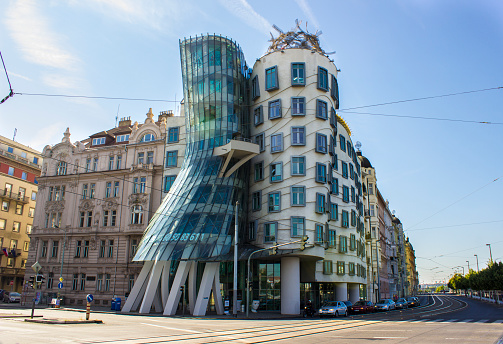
60	285
89	298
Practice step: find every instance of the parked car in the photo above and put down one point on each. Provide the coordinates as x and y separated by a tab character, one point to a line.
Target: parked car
413	301
11	296
363	307
333	308
402	303
349	305
385	305
1	294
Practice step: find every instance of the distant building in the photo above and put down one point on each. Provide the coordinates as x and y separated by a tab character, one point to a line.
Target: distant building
96	197
20	168
412	276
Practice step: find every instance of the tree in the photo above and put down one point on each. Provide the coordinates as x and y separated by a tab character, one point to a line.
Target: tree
440	289
458	282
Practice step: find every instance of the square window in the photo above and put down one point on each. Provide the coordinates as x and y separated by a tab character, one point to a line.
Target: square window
322	79
321	143
258	115
277	143
276	172
271	78
297	226
298	136
298	106
321	173
298	165
320	203
321	109
298	196
173	134
275	109
298	74
270	229
257	201
259	171
259	139
274	201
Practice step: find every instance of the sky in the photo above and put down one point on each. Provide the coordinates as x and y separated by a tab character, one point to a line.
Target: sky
443	178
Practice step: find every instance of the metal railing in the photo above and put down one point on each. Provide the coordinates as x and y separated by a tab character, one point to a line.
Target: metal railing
13	196
19	158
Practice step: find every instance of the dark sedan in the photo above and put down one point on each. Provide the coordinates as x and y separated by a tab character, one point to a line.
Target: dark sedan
363	307
413	301
349	305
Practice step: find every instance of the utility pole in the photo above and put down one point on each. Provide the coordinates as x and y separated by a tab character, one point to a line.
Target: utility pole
235	289
490	253
476	256
468	266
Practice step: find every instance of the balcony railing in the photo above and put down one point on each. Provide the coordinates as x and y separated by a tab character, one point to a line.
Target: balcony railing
13	196
19	158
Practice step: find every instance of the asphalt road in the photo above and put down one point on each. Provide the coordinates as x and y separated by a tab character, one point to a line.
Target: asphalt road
440	319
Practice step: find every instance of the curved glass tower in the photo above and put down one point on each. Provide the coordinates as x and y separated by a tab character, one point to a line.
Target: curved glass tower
196	219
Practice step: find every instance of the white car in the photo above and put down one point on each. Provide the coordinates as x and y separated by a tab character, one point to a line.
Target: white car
333	308
11	296
385	305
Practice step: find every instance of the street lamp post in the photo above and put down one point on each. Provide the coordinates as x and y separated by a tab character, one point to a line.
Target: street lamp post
476	256
61	269
468	266
490	253
235	291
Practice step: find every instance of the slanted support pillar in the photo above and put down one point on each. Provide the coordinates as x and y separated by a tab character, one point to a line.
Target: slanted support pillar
136	294
153	283
175	293
211	270
192	286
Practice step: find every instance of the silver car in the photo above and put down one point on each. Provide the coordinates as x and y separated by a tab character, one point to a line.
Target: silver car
385	305
333	308
11	296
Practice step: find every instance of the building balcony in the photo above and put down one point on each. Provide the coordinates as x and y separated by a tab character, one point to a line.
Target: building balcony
20	159
242	150
12	196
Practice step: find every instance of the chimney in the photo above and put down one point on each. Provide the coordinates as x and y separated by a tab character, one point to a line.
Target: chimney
165	114
125	122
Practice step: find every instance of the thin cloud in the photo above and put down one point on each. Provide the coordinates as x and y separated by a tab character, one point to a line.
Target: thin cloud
309	13
19	76
32	33
243	10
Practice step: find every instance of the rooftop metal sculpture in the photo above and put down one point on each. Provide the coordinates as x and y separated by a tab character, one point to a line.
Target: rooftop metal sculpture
296	38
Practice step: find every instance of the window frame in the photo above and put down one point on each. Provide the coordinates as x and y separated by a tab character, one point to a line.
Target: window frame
273	207
301	133
320	148
292	164
272	105
321	106
321	168
257	200
267	236
274	147
292	68
322	82
258	115
273	77
293	225
303	193
297	100
274	165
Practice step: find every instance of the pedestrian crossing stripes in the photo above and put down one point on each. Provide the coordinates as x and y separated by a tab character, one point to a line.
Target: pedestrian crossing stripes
481	321
498	321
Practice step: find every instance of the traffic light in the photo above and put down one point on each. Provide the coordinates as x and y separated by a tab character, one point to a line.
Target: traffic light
303	242
40	279
31	281
274	249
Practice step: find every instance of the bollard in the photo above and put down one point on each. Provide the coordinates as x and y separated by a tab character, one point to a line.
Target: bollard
88	310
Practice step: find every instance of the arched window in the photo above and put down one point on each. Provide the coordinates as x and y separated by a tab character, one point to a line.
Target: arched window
147	138
61	171
137	215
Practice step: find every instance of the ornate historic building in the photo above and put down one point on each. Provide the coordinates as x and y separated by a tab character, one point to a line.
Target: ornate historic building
19	170
96	197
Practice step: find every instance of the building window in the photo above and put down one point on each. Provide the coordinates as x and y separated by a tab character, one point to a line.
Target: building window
23	175
61	171
82	281
276	143
345	194
321	109
113	218
92	189
274	201
116	189
341	268
107	281
322	79
102	248
255	90
75	282
134	247
343	244
171	158
19	209
137	215
78	248
2	224
353	196
298	165
351	171
98	141
259	171
342	141
110	249
334	211
297	226
88	165
95	164
298	196
105	218
270	229
108	189
140	158
11	171
371	189
55	247
298	136
5	205
89	219
259	139
122	138
352	242
320	203
168	182
258	115
353	218
318	233
351	268
43	252
150	157
111	160
344	169
276	172
298	74
257	201
328	267
321	173
143	184
99	282
271	78
321	143
275	109
50	280
335	186
331	238
334	91
16	226
345	219
147	138
173	134
33	195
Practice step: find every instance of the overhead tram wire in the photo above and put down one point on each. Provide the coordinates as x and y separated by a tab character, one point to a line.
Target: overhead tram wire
11	92
459	225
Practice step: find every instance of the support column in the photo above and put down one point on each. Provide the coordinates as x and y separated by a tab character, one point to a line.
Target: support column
341	291
290	285
175	293
165	283
354	292
192	286
151	290
136	294
207	282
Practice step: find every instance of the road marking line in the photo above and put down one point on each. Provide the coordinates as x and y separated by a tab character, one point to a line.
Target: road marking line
466	320
390	337
437	320
498	321
172	328
451	320
482	321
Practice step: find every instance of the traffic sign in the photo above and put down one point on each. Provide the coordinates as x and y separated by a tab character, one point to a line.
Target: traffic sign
60	285
89	298
61	279
36	267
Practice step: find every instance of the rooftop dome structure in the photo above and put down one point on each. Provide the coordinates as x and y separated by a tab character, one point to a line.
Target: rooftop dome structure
364	161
